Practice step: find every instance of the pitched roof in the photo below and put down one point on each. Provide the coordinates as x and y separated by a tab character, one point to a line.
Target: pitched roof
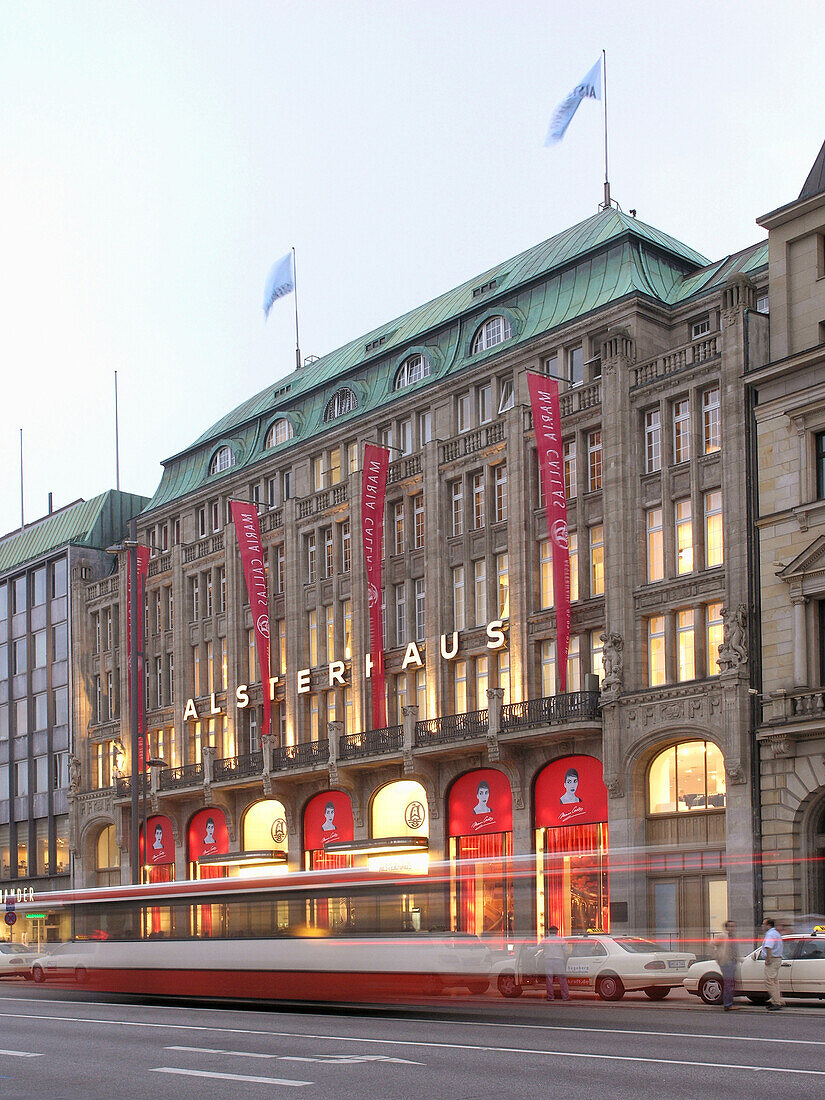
95	523
815	183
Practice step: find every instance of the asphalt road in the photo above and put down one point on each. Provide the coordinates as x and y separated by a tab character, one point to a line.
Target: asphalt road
60	1045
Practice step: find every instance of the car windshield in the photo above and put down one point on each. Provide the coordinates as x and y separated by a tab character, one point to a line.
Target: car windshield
14	949
639	947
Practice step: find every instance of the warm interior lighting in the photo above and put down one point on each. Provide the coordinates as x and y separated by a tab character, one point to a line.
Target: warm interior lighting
244	859
385	845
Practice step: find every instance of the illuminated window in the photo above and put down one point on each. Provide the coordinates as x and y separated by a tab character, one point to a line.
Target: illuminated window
597	560
503	585
686	778
500	493
573	557
400	614
656	650
480	591
482	682
398	526
715	635
458	597
714	547
597	653
494	331
279	432
681	430
594	461
420	606
222	459
684	537
312	626
711	427
655	546
545	574
685	645
460	687
570	469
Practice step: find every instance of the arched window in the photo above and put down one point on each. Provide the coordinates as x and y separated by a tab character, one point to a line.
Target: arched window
341	402
494	331
107	858
413	369
685	778
280	432
222	459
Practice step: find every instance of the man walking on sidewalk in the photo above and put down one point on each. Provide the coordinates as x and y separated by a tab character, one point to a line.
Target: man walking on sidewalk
773	951
726	957
555	953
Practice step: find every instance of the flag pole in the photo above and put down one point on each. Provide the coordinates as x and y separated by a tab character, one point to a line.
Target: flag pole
606	204
117	443
297	341
22	512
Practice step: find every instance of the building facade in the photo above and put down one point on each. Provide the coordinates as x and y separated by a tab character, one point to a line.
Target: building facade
44	569
630	797
787	394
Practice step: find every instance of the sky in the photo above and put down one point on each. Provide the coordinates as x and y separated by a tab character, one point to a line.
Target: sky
158	157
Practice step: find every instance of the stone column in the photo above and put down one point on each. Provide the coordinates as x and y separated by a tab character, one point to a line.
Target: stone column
800	641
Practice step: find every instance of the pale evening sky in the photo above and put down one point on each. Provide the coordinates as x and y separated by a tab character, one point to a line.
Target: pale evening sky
157	157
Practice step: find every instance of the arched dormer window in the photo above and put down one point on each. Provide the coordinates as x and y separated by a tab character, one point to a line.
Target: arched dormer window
494	331
341	402
279	432
222	459
413	369
685	778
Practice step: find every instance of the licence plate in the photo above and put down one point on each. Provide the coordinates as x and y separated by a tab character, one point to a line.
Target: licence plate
676	964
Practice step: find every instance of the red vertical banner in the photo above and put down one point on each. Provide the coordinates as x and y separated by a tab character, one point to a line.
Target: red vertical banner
248	529
142	571
544	399
373	496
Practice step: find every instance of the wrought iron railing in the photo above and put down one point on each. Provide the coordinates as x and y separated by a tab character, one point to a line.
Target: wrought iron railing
371	742
238	767
123	785
188	775
451	727
551	710
306	754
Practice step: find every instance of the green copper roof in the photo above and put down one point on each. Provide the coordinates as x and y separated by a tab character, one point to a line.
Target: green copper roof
574	273
98	523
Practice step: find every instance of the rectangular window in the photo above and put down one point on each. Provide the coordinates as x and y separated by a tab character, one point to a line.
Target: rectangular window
329	553
819	464
685	645
405	440
457	507
400	614
463	412
503	586
158	684
312	625
334	460
196	668
398	526
594	461
425	428
681	430
272	492
477	488
460	683
170	608
597	653
222	664
573	555
480	591
195	594
39	638
170	675
545	574
210	602
570	469
20	653
714	636
500	493
210	667
329	630
280	568
485	404
507	397
482	682
714	544
347	605
575	365
418	520
41	717
653	441
656	650
157	605
458	597
711	424
684	536
699	328
39	587
311	558
597	560
420	607
221	588
655	546
319	471
346	547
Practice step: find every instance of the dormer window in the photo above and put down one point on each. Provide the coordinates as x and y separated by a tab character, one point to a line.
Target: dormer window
413	369
222	459
699	328
494	331
279	432
342	402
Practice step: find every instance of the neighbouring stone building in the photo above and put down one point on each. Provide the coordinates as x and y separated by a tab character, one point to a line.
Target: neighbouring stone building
652	341
787	394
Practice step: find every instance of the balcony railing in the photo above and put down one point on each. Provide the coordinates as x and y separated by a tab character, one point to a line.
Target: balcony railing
676	360
575	706
371	742
320	502
404	468
249	766
451	727
305	755
473	441
123	786
189	775
205	546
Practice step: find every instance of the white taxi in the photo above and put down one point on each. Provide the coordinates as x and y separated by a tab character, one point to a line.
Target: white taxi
802	973
16	960
609	965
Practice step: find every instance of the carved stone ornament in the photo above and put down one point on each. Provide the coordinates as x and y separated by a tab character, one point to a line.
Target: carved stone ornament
615	787
733	652
613	662
782	747
74	773
735	774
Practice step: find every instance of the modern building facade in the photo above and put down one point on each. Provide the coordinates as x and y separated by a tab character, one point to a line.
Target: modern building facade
630	798
44	570
787	388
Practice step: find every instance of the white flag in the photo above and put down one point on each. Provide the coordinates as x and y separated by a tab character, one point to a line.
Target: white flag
279	281
589	88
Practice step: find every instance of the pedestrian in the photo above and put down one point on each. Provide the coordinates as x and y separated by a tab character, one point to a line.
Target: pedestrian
555	953
725	945
772	951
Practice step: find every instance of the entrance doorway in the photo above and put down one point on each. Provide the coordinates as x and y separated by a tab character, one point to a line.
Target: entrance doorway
688	910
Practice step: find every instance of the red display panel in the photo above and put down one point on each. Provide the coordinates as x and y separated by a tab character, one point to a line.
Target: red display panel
161	843
328	816
481	802
571	791
207	834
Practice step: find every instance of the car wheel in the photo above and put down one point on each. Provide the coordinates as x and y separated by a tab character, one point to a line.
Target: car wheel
480	986
610	988
38	974
758	998
657	992
28	977
508	986
80	975
710	989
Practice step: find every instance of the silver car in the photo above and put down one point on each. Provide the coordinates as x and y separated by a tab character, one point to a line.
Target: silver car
802	973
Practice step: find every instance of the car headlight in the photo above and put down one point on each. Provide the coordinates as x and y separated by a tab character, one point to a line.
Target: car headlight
657	964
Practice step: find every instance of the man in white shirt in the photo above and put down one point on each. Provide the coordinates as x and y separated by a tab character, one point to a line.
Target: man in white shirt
555	953
773	951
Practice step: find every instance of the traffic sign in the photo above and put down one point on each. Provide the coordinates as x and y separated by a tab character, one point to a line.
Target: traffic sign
11	917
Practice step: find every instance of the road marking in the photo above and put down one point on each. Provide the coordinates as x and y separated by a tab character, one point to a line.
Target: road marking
231	1076
20	1054
326	1059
